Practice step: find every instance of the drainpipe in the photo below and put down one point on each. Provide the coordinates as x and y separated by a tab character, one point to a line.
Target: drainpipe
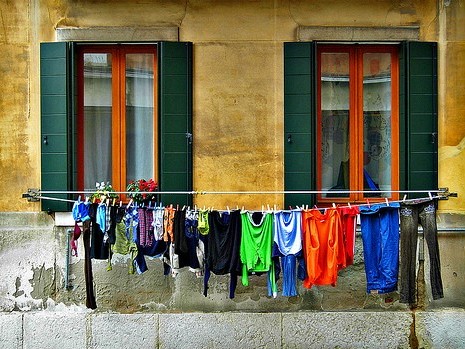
69	232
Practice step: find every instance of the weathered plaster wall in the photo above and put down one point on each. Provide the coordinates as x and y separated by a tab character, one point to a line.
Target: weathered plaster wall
153	310
238	87
33	257
238	145
452	101
19	152
238	90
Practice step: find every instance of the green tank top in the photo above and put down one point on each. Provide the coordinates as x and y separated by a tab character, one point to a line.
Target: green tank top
256	244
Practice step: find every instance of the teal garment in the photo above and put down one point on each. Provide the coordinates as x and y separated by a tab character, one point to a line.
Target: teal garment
256	246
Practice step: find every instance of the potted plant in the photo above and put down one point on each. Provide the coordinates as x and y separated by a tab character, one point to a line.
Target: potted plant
142	191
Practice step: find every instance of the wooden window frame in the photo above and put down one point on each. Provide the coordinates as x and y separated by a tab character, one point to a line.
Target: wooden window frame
356	120
118	128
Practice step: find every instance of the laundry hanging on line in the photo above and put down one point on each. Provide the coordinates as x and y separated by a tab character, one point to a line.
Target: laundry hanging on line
311	245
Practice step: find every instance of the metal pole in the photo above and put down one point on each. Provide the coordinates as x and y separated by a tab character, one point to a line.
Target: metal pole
69	232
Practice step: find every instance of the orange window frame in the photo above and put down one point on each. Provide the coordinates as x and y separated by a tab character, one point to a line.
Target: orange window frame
356	119
118	117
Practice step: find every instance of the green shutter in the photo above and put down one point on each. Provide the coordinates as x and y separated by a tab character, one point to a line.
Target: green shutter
299	120
56	112
419	116
175	113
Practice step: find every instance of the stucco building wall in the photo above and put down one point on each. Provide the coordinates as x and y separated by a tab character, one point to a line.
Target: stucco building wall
238	81
238	145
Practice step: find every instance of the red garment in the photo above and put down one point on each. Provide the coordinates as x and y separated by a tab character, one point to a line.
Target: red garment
322	248
349	223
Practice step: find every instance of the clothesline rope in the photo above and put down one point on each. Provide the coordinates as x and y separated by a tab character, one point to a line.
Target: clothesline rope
442	193
247	192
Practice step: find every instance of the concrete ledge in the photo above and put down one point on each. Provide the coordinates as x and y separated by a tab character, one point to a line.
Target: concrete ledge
118	34
441	329
310	33
347	330
25	219
11	331
124	331
55	330
85	329
223	330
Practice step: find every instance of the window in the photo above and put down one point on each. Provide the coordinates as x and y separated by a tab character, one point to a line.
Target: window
337	103
140	94
117	115
357	121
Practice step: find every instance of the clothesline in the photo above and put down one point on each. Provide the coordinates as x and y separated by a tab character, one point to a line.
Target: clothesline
442	193
247	192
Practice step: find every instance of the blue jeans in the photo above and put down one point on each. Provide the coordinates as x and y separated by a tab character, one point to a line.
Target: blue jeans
380	235
412	214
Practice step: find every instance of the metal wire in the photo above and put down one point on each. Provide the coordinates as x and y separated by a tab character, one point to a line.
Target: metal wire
250	192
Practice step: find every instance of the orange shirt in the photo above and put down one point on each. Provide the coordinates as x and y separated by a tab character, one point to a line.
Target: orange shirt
323	247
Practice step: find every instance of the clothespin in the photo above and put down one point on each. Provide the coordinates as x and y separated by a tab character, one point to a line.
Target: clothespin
368	202
87	199
227	207
108	202
405	197
334	205
113	203
129	203
349	205
387	202
120	203
79	198
268	206
430	195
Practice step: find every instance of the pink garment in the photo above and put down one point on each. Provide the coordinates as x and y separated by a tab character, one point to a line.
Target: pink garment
74	239
145	227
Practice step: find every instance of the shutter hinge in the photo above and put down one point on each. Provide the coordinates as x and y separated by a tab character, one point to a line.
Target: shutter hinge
434	137
189	137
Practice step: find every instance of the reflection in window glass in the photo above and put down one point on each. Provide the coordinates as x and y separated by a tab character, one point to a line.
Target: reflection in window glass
335	142
97	118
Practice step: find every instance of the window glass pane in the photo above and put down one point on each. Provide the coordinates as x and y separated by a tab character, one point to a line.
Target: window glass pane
377	152
97	118
139	116
335	143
